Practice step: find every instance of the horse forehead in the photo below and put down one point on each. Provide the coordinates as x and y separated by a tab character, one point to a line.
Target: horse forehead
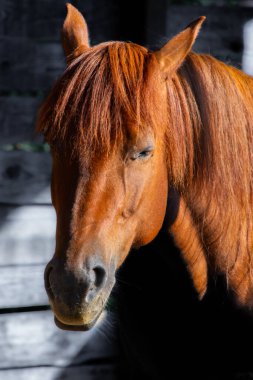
99	171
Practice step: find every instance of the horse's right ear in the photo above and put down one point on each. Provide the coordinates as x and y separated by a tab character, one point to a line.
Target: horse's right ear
75	37
172	55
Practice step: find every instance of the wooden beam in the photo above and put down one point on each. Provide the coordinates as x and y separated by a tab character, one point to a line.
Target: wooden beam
27	65
43	22
32	340
17	119
219	36
31	56
27	234
22	286
25	178
86	372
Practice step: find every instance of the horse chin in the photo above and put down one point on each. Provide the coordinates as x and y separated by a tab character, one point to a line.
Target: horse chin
77	327
81	319
77	322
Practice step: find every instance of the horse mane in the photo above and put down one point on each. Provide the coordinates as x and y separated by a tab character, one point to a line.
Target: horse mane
210	123
210	157
102	98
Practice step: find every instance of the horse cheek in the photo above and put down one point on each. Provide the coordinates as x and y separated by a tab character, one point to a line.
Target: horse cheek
154	210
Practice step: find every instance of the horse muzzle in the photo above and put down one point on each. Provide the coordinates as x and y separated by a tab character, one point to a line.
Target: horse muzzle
78	295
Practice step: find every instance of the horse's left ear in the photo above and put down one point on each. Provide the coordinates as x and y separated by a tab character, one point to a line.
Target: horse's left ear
75	39
172	55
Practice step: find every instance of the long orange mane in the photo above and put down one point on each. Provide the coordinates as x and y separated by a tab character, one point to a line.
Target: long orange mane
210	152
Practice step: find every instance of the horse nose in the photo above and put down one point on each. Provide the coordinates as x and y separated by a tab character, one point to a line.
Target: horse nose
78	284
97	277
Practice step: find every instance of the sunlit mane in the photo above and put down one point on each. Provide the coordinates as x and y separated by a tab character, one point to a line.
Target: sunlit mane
210	123
210	152
102	97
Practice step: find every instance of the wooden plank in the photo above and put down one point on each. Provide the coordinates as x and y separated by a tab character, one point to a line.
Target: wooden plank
96	372
22	286
40	21
218	36
25	177
17	119
27	234
31	339
20	18
45	22
29	66
31	56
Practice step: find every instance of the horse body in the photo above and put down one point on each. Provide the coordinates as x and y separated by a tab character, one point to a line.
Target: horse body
125	125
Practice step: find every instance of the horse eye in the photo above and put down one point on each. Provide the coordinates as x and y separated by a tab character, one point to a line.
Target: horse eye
145	153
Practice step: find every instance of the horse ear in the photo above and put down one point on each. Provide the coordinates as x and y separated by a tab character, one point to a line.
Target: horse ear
75	37
172	55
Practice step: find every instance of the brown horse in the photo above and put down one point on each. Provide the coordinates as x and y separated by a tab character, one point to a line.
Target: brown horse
126	125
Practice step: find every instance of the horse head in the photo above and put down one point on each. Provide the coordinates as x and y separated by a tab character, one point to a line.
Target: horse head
105	121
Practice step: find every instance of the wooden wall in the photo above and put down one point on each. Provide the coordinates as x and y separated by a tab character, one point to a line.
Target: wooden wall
31	59
221	34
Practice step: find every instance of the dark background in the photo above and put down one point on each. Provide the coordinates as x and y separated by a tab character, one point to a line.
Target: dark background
31	59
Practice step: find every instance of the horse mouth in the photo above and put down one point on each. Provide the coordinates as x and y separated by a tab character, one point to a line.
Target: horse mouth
68	327
76	322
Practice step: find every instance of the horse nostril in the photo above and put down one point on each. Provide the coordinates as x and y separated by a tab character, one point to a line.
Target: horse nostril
97	279
100	276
